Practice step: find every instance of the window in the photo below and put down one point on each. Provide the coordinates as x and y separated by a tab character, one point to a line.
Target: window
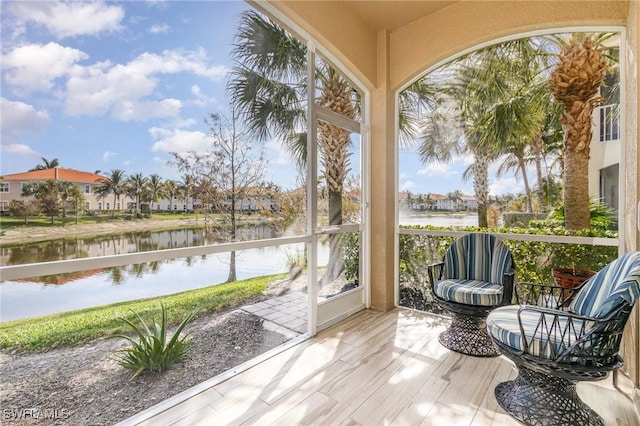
4	206
87	189
4	187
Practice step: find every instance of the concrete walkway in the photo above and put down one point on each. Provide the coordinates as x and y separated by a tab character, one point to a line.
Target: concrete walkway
288	311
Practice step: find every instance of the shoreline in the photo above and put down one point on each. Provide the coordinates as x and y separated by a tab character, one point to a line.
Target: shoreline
27	234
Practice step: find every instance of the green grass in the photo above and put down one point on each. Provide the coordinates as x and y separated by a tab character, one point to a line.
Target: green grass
71	328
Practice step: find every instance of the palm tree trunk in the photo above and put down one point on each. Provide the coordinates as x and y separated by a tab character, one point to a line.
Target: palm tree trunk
481	186
525	180
576	190
336	263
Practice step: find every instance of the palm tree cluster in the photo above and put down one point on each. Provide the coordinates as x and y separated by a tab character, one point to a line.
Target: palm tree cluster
497	105
142	189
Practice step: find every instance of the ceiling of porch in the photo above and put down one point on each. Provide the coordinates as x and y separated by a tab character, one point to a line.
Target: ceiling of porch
394	14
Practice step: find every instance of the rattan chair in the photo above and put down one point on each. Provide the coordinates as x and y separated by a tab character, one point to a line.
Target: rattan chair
554	346
475	277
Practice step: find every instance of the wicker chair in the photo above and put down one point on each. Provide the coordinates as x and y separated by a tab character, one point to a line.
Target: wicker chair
554	346
475	277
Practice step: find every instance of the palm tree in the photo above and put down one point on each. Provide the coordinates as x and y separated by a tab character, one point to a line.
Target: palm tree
269	87
136	185
171	189
574	83
114	184
187	187
46	164
156	189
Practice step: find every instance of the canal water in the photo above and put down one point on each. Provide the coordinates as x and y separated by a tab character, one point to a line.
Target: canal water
65	292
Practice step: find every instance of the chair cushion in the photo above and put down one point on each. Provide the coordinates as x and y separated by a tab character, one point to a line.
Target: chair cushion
604	292
469	292
503	326
478	256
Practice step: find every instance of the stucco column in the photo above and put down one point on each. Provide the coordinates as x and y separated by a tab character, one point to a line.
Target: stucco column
382	182
631	159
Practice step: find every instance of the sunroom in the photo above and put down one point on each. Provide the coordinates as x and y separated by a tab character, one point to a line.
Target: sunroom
362	359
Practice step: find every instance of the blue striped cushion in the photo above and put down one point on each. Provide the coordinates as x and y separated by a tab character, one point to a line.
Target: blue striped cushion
502	325
603	293
481	257
469	292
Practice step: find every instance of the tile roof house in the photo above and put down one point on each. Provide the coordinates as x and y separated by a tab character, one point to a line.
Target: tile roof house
11	185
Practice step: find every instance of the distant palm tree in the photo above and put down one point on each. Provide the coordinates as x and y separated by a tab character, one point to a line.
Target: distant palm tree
46	164
171	189
136	185
114	184
156	189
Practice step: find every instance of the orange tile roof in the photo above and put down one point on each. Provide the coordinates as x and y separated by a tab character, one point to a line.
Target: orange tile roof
56	173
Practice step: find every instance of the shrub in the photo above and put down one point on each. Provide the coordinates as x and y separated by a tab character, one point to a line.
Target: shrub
152	352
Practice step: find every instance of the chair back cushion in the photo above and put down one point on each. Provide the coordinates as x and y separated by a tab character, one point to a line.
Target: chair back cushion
481	257
604	292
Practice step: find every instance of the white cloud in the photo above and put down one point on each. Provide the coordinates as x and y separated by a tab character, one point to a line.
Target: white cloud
436	169
159	29
67	19
506	186
34	67
281	155
407	185
136	111
108	155
178	140
20	149
104	87
18	117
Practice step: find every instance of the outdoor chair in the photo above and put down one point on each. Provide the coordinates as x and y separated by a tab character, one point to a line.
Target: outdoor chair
554	346
475	277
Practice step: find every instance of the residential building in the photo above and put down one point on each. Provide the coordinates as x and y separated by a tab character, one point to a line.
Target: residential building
11	185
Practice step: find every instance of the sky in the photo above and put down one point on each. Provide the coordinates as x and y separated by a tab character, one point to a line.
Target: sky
121	85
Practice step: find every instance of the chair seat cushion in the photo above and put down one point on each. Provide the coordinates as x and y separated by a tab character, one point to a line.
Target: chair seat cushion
469	292
503	326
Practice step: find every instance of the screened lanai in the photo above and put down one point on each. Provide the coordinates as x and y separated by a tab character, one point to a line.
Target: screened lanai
380	47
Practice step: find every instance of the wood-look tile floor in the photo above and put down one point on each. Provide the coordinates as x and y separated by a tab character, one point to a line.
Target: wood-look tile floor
373	369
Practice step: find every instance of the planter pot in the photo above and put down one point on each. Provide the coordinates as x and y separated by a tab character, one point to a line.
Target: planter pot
570	278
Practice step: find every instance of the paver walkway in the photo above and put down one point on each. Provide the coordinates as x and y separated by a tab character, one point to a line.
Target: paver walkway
288	311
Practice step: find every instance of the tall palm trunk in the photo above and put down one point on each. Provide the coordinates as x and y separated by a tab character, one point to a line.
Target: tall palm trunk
525	180
481	185
333	144
574	83
537	146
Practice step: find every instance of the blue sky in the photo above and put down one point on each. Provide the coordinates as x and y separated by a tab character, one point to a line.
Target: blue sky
120	85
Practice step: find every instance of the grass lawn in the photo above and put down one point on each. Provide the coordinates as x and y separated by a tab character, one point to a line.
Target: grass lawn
70	328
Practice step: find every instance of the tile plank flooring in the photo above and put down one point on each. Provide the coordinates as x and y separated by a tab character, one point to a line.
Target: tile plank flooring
373	369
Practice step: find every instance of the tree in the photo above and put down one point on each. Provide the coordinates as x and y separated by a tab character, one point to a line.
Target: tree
156	188
226	173
135	187
46	164
171	189
114	184
269	87
46	194
574	83
24	208
77	199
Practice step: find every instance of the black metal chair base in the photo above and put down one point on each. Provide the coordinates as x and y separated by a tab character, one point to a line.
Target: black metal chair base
539	399
468	335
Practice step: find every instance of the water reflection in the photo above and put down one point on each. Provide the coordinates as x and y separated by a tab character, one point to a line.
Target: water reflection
131	242
29	298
